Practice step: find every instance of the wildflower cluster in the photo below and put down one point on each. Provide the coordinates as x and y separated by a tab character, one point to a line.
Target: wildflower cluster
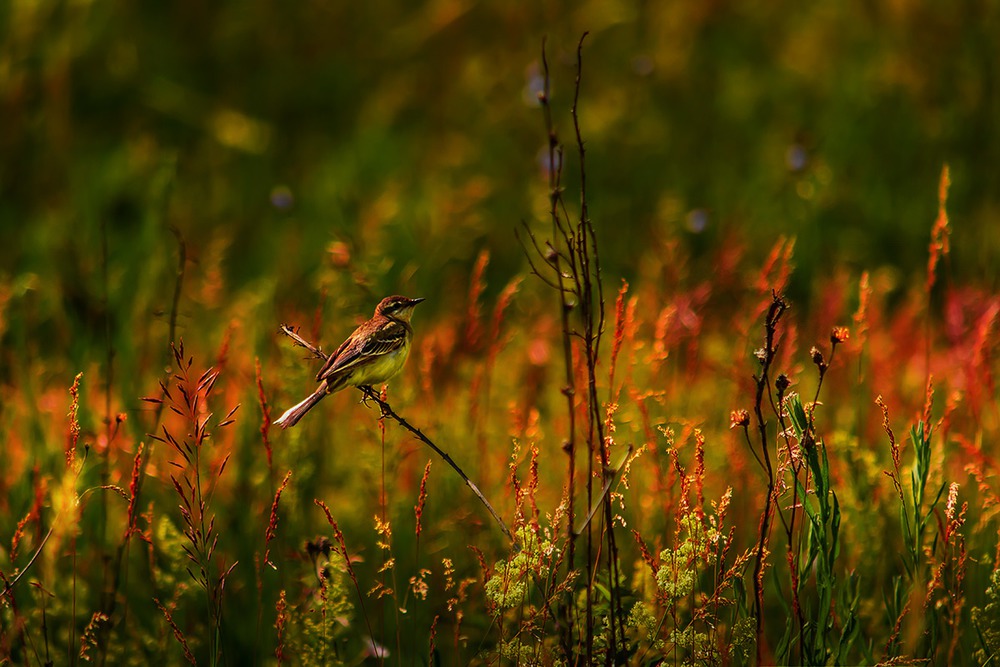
508	586
678	572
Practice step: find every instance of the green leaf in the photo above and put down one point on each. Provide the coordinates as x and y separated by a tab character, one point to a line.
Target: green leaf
798	414
835	530
783	650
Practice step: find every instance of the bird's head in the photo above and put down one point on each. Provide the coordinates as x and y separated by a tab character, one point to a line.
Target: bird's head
397	307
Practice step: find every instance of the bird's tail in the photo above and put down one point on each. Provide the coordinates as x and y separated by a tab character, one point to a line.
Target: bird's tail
295	413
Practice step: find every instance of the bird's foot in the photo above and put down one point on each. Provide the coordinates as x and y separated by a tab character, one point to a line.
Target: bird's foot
368	392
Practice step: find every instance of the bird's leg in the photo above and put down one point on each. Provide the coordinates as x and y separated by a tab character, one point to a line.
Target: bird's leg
368	392
371	395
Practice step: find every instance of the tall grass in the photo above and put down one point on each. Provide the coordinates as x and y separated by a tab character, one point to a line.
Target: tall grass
718	480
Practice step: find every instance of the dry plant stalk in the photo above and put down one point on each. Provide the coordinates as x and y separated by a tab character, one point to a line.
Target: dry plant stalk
569	263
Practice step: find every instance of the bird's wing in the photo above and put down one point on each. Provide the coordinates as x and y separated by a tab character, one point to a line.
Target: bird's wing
335	357
363	346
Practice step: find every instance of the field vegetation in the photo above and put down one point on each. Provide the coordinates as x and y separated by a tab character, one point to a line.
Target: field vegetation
706	373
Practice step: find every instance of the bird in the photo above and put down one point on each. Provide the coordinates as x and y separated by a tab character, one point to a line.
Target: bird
374	353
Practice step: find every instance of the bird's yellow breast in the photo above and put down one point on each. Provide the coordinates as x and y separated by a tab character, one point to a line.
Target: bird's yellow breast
381	368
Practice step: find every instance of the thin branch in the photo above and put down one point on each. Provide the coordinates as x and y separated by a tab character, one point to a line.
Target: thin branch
558	228
531	263
302	342
13	582
556	253
587	224
531	235
774	313
611	475
179	284
387	411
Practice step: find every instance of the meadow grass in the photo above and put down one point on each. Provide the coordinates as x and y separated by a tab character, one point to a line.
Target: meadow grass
694	471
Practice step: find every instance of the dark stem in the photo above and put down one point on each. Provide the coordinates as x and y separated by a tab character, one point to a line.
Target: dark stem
554	257
121	554
558	229
592	312
774	314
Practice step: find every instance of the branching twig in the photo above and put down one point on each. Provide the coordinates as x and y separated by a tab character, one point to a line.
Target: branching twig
766	357
24	570
571	256
387	411
566	285
563	289
589	278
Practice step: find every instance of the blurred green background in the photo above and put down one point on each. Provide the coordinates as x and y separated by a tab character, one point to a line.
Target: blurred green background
400	139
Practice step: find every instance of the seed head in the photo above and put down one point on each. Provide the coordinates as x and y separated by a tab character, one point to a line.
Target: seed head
739	418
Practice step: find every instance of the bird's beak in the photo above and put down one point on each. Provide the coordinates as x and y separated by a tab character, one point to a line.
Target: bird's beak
414	302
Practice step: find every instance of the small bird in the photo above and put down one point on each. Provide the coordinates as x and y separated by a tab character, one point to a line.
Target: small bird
373	354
